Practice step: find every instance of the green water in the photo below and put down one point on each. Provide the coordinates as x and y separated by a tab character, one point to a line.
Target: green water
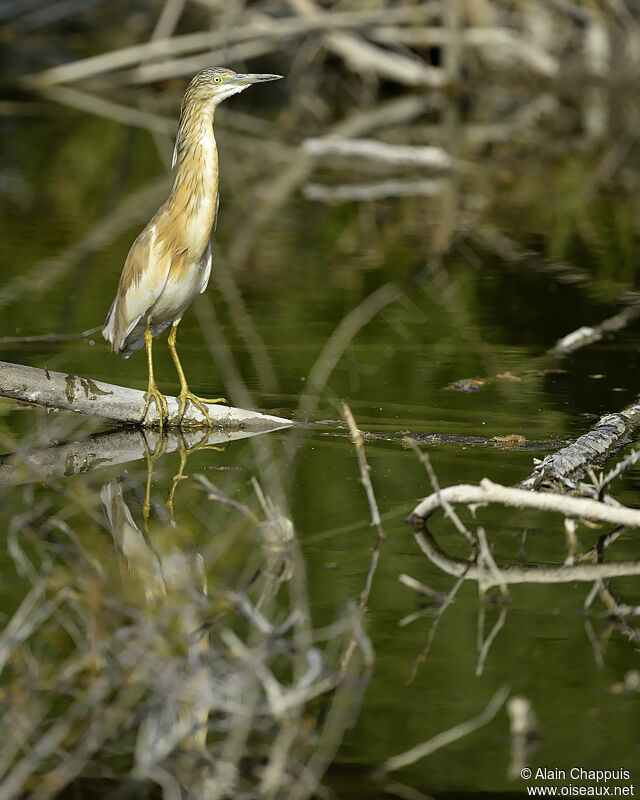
469	314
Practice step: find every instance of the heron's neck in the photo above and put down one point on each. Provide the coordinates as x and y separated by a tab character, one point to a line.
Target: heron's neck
195	158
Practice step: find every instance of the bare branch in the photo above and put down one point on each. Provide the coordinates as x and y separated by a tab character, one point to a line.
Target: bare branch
488	493
119	403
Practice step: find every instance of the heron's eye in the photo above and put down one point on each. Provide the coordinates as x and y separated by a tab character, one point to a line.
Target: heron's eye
217	79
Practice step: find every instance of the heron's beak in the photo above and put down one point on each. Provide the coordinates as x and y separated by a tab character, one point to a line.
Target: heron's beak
245	80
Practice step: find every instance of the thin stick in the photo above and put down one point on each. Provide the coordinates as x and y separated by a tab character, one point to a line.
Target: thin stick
434	626
448	509
450	736
365	477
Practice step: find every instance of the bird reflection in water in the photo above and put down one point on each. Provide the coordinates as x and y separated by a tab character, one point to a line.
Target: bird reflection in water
155	452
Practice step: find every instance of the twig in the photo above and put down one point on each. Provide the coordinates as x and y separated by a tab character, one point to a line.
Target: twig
616	471
434	626
487	557
450	736
49	337
486	646
365	478
448	510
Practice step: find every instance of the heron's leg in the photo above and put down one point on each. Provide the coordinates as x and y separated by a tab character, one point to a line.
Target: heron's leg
153	393
151	458
185	394
185	452
179	476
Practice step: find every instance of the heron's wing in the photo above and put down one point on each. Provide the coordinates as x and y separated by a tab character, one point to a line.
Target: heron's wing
215	216
143	278
206	273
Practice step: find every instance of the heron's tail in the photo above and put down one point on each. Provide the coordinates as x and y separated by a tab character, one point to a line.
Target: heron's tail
109	330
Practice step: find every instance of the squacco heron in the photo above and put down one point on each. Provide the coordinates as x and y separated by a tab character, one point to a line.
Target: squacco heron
170	261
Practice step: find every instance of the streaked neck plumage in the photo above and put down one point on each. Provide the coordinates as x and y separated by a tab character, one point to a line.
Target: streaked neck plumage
193	196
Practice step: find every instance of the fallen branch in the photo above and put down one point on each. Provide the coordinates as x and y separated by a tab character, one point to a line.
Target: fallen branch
610	433
94	398
488	493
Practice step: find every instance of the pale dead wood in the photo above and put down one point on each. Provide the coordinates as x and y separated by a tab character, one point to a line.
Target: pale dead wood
119	403
488	493
610	433
374	191
588	334
256	27
409	155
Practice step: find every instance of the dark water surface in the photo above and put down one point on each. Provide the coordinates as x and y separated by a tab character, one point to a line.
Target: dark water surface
469	314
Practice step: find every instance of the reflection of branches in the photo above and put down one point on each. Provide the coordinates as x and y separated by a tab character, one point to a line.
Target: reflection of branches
485	646
102	450
511	574
450	736
336	344
408	155
255	27
434	626
161	658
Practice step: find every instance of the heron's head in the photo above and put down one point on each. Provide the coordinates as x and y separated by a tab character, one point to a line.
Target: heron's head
214	84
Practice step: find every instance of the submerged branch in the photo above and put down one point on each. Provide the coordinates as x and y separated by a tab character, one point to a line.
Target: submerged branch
95	398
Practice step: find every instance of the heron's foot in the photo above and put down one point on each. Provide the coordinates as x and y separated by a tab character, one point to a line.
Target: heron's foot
155	395
185	397
151	457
